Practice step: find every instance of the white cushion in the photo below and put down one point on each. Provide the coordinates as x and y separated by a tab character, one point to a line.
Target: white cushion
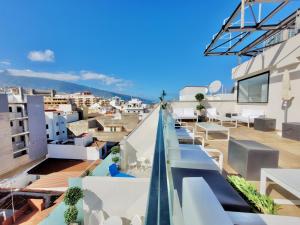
211	112
199	204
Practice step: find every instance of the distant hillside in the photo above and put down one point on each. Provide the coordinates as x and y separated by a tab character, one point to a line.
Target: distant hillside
59	86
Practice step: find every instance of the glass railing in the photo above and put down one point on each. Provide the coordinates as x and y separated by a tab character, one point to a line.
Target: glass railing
158	211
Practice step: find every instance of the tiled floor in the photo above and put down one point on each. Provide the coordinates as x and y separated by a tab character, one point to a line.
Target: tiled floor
289	156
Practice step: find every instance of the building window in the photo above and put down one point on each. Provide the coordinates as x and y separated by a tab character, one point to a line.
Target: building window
47	136
47	127
11	123
19	109
57	124
10	109
20	123
63	131
57	133
22	138
254	89
13	139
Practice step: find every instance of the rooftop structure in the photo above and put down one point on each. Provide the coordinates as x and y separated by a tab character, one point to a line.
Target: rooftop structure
249	29
22	129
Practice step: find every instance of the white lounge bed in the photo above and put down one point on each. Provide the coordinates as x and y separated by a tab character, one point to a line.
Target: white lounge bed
193	159
248	115
206	150
201	207
183	133
184	114
289	179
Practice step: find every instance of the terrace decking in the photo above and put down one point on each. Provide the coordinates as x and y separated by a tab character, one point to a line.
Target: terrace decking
56	172
289	157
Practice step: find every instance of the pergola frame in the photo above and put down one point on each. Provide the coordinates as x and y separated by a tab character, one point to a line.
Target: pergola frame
252	49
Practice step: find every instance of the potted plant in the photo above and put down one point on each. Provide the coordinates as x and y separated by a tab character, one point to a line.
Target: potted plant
200	107
72	196
115	150
71	215
115	159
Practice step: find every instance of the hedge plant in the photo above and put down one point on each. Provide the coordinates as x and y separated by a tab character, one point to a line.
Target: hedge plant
115	150
72	196
71	214
259	202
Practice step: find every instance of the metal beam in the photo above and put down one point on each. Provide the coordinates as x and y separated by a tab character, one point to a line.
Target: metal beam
291	18
224	27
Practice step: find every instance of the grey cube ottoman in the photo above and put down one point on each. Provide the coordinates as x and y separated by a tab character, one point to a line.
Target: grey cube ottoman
264	124
291	131
249	157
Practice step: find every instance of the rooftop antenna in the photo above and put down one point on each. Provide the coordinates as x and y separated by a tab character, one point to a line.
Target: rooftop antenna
214	87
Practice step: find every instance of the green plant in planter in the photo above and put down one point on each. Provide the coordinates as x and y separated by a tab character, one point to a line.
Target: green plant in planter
73	195
199	97
259	202
115	150
115	159
71	214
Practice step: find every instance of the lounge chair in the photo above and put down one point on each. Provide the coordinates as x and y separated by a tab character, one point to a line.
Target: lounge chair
189	133
227	196
200	206
208	151
248	115
184	114
213	115
114	172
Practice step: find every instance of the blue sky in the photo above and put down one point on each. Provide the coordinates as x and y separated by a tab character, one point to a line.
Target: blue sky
136	47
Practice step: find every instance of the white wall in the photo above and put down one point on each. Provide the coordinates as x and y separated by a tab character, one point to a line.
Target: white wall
73	152
188	93
222	106
141	141
123	197
278	59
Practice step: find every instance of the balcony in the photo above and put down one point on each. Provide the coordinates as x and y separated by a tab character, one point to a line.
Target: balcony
17	116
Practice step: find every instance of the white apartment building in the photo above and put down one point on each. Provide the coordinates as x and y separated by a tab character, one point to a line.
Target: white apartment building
22	129
135	105
56	126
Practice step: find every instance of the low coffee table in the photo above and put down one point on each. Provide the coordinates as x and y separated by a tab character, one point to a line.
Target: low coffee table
264	124
213	128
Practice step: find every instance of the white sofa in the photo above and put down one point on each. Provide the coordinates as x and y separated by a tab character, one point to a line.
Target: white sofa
201	207
184	114
248	116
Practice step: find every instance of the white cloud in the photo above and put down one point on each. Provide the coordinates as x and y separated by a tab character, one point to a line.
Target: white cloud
41	56
5	63
118	83
108	80
48	75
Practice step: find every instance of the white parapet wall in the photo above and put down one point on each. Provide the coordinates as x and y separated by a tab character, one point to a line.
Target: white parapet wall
122	197
72	152
141	141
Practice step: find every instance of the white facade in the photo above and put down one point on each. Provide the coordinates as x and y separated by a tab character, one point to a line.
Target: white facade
135	106
188	93
22	129
56	126
280	60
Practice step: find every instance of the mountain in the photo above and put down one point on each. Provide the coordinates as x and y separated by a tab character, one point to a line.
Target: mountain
7	80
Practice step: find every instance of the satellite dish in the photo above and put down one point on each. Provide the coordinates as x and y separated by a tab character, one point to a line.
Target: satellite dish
215	86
